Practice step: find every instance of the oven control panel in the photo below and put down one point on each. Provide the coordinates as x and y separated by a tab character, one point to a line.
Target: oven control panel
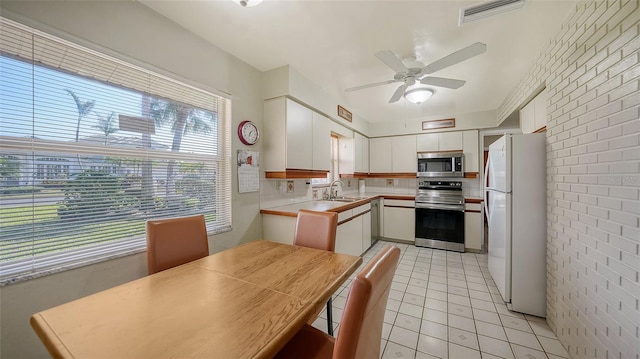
448	185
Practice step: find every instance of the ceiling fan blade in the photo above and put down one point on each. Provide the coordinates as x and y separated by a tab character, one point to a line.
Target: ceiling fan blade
442	82
371	85
390	59
456	57
398	94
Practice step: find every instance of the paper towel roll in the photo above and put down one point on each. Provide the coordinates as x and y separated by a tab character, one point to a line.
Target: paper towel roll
361	189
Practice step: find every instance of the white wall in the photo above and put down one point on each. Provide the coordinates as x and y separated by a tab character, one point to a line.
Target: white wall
286	81
130	30
592	71
465	121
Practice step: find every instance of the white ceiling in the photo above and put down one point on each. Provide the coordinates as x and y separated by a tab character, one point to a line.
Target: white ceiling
332	43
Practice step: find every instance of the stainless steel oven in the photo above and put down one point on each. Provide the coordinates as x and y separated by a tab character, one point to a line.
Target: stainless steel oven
440	215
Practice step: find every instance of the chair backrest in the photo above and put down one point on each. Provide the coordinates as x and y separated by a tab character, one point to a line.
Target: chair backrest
175	241
316	230
361	324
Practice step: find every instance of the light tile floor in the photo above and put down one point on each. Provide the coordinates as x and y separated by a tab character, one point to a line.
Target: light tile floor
445	305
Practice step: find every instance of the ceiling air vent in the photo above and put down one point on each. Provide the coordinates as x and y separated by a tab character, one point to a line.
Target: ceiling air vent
488	8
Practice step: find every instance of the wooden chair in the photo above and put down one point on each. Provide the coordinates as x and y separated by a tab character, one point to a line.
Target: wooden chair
361	324
318	230
175	241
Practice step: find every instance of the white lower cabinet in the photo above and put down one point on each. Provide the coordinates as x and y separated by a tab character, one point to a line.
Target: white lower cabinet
353	235
277	228
473	226
366	231
349	237
399	218
354	230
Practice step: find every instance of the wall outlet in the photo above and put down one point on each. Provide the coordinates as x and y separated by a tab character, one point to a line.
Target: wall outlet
389	182
289	186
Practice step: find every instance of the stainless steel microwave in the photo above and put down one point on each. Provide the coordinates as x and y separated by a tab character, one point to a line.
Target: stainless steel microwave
440	164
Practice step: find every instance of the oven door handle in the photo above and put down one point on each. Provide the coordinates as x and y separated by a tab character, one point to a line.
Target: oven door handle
446	207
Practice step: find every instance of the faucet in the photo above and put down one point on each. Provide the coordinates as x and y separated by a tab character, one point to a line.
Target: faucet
331	186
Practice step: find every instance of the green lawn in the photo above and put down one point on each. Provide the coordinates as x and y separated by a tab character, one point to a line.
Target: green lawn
28	231
16	216
41	194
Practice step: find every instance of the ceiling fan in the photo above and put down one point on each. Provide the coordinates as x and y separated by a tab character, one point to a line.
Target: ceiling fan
410	75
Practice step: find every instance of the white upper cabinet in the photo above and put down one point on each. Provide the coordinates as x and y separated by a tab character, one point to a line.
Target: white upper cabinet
441	141
299	125
527	118
450	141
392	154
380	155
361	153
403	152
427	142
321	144
354	154
533	116
470	149
297	141
541	110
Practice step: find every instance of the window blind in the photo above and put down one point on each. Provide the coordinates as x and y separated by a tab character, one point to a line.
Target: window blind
91	147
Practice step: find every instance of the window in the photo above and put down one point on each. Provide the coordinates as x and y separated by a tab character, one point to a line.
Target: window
91	147
334	171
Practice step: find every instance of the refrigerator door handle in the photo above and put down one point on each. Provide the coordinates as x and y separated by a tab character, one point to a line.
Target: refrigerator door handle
486	191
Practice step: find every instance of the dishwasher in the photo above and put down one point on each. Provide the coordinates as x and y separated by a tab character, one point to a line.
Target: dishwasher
375	221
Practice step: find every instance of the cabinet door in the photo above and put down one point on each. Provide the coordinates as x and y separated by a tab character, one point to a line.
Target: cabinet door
349	237
527	118
365	155
427	142
347	155
450	141
403	150
321	146
473	227
399	223
361	153
380	155
273	132
299	136
540	113
470	149
366	231
278	228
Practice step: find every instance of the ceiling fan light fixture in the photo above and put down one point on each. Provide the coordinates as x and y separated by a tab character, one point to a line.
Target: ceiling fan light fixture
418	95
247	3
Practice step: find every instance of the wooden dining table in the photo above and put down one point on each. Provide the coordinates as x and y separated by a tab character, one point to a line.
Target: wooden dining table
244	302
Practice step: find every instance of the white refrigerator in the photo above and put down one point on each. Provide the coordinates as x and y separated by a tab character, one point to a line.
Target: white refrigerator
515	203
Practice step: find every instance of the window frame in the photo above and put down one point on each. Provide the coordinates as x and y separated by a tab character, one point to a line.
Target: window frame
40	265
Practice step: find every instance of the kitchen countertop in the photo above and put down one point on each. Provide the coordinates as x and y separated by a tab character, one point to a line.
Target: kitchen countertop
291	210
473	200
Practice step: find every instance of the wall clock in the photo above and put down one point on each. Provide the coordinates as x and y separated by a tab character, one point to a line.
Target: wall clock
248	132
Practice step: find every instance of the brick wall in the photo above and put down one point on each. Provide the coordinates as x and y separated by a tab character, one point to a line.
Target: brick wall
592	71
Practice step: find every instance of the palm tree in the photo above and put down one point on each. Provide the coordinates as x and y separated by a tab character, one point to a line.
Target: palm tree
84	108
107	125
183	121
